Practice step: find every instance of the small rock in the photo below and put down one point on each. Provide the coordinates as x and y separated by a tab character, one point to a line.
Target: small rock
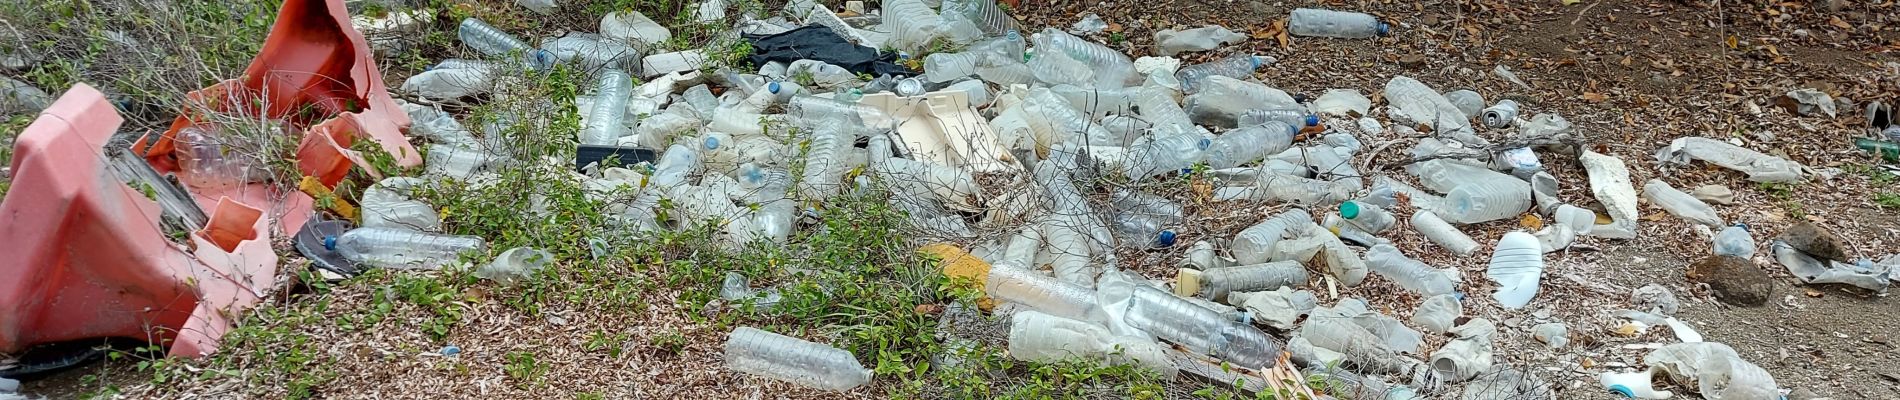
1880	338
1734	280
1803	394
1412	60
1714	194
1817	242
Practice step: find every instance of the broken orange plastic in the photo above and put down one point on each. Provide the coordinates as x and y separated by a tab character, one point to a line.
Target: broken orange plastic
87	256
316	73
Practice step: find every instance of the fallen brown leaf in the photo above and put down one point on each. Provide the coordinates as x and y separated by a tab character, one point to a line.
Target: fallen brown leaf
1594	97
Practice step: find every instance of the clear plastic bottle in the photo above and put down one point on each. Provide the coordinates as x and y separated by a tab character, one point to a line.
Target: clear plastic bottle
1142	232
985	14
1501	115
591	51
1198	328
1295	116
492	42
1680	204
604	122
1297	190
912	23
1735	241
1249	144
1517	264
1335	24
1633	385
824	162
945	67
1348	385
1443	233
1165	155
1486	200
453	79
1408	273
1367	217
1110	68
736	288
1096	102
790	359
767	188
1014	73
1217	283
443	160
1040	337
1015	283
1251	245
1238	66
203	152
1159	107
1144	203
679	161
397	248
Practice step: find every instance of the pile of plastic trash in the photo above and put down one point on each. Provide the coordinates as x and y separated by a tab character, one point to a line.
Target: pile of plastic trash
1015	134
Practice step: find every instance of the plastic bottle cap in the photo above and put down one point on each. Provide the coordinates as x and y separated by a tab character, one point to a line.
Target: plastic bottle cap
1384	29
1625	391
1349	210
1204	143
1312	120
772	87
712	143
1166	239
329	242
1255	60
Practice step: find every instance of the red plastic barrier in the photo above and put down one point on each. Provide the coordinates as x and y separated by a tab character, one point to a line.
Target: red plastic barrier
317	73
86	256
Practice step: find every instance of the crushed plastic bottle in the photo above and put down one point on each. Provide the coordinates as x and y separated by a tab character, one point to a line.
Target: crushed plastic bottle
1162	155
1759	167
1680	204
1517	264
453	79
1419	103
1443	233
592	51
1249	144
1410	274
1108	68
635	27
389	203
515	265
1015	283
604	122
1469	102
912	24
1217	283
493	42
1367	217
210	153
1438	313
1183	322
737	289
771	355
1473	194
1252	245
398	248
1039	337
1466	356
1633	385
1735	241
1169	42
1240	66
1715	370
1335	24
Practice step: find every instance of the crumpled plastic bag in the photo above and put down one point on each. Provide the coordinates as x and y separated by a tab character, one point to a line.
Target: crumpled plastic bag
1278	308
1759	167
1715	370
388	204
1817	271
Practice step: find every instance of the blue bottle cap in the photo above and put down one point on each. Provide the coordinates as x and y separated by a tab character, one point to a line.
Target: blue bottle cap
712	143
1384	29
451	350
1625	391
329	242
1312	120
1256	61
772	87
1204	143
1166	239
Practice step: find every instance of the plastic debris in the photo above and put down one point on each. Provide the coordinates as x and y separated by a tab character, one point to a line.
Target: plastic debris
1809	102
1552	334
1437	313
1278	308
1039	337
1680	204
1610	183
1466	356
1335	24
1516	264
1714	370
790	359
1169	42
1089	24
635	27
515	265
1759	167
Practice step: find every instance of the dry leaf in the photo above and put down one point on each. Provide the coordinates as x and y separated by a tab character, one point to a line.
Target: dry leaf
1812	293
1594	97
1531	222
1572	2
1734	42
1838	23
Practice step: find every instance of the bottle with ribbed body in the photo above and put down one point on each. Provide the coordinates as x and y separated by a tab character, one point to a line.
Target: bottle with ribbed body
757	352
399	248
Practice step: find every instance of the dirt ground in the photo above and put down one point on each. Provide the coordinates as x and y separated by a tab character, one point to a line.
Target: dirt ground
1631	75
